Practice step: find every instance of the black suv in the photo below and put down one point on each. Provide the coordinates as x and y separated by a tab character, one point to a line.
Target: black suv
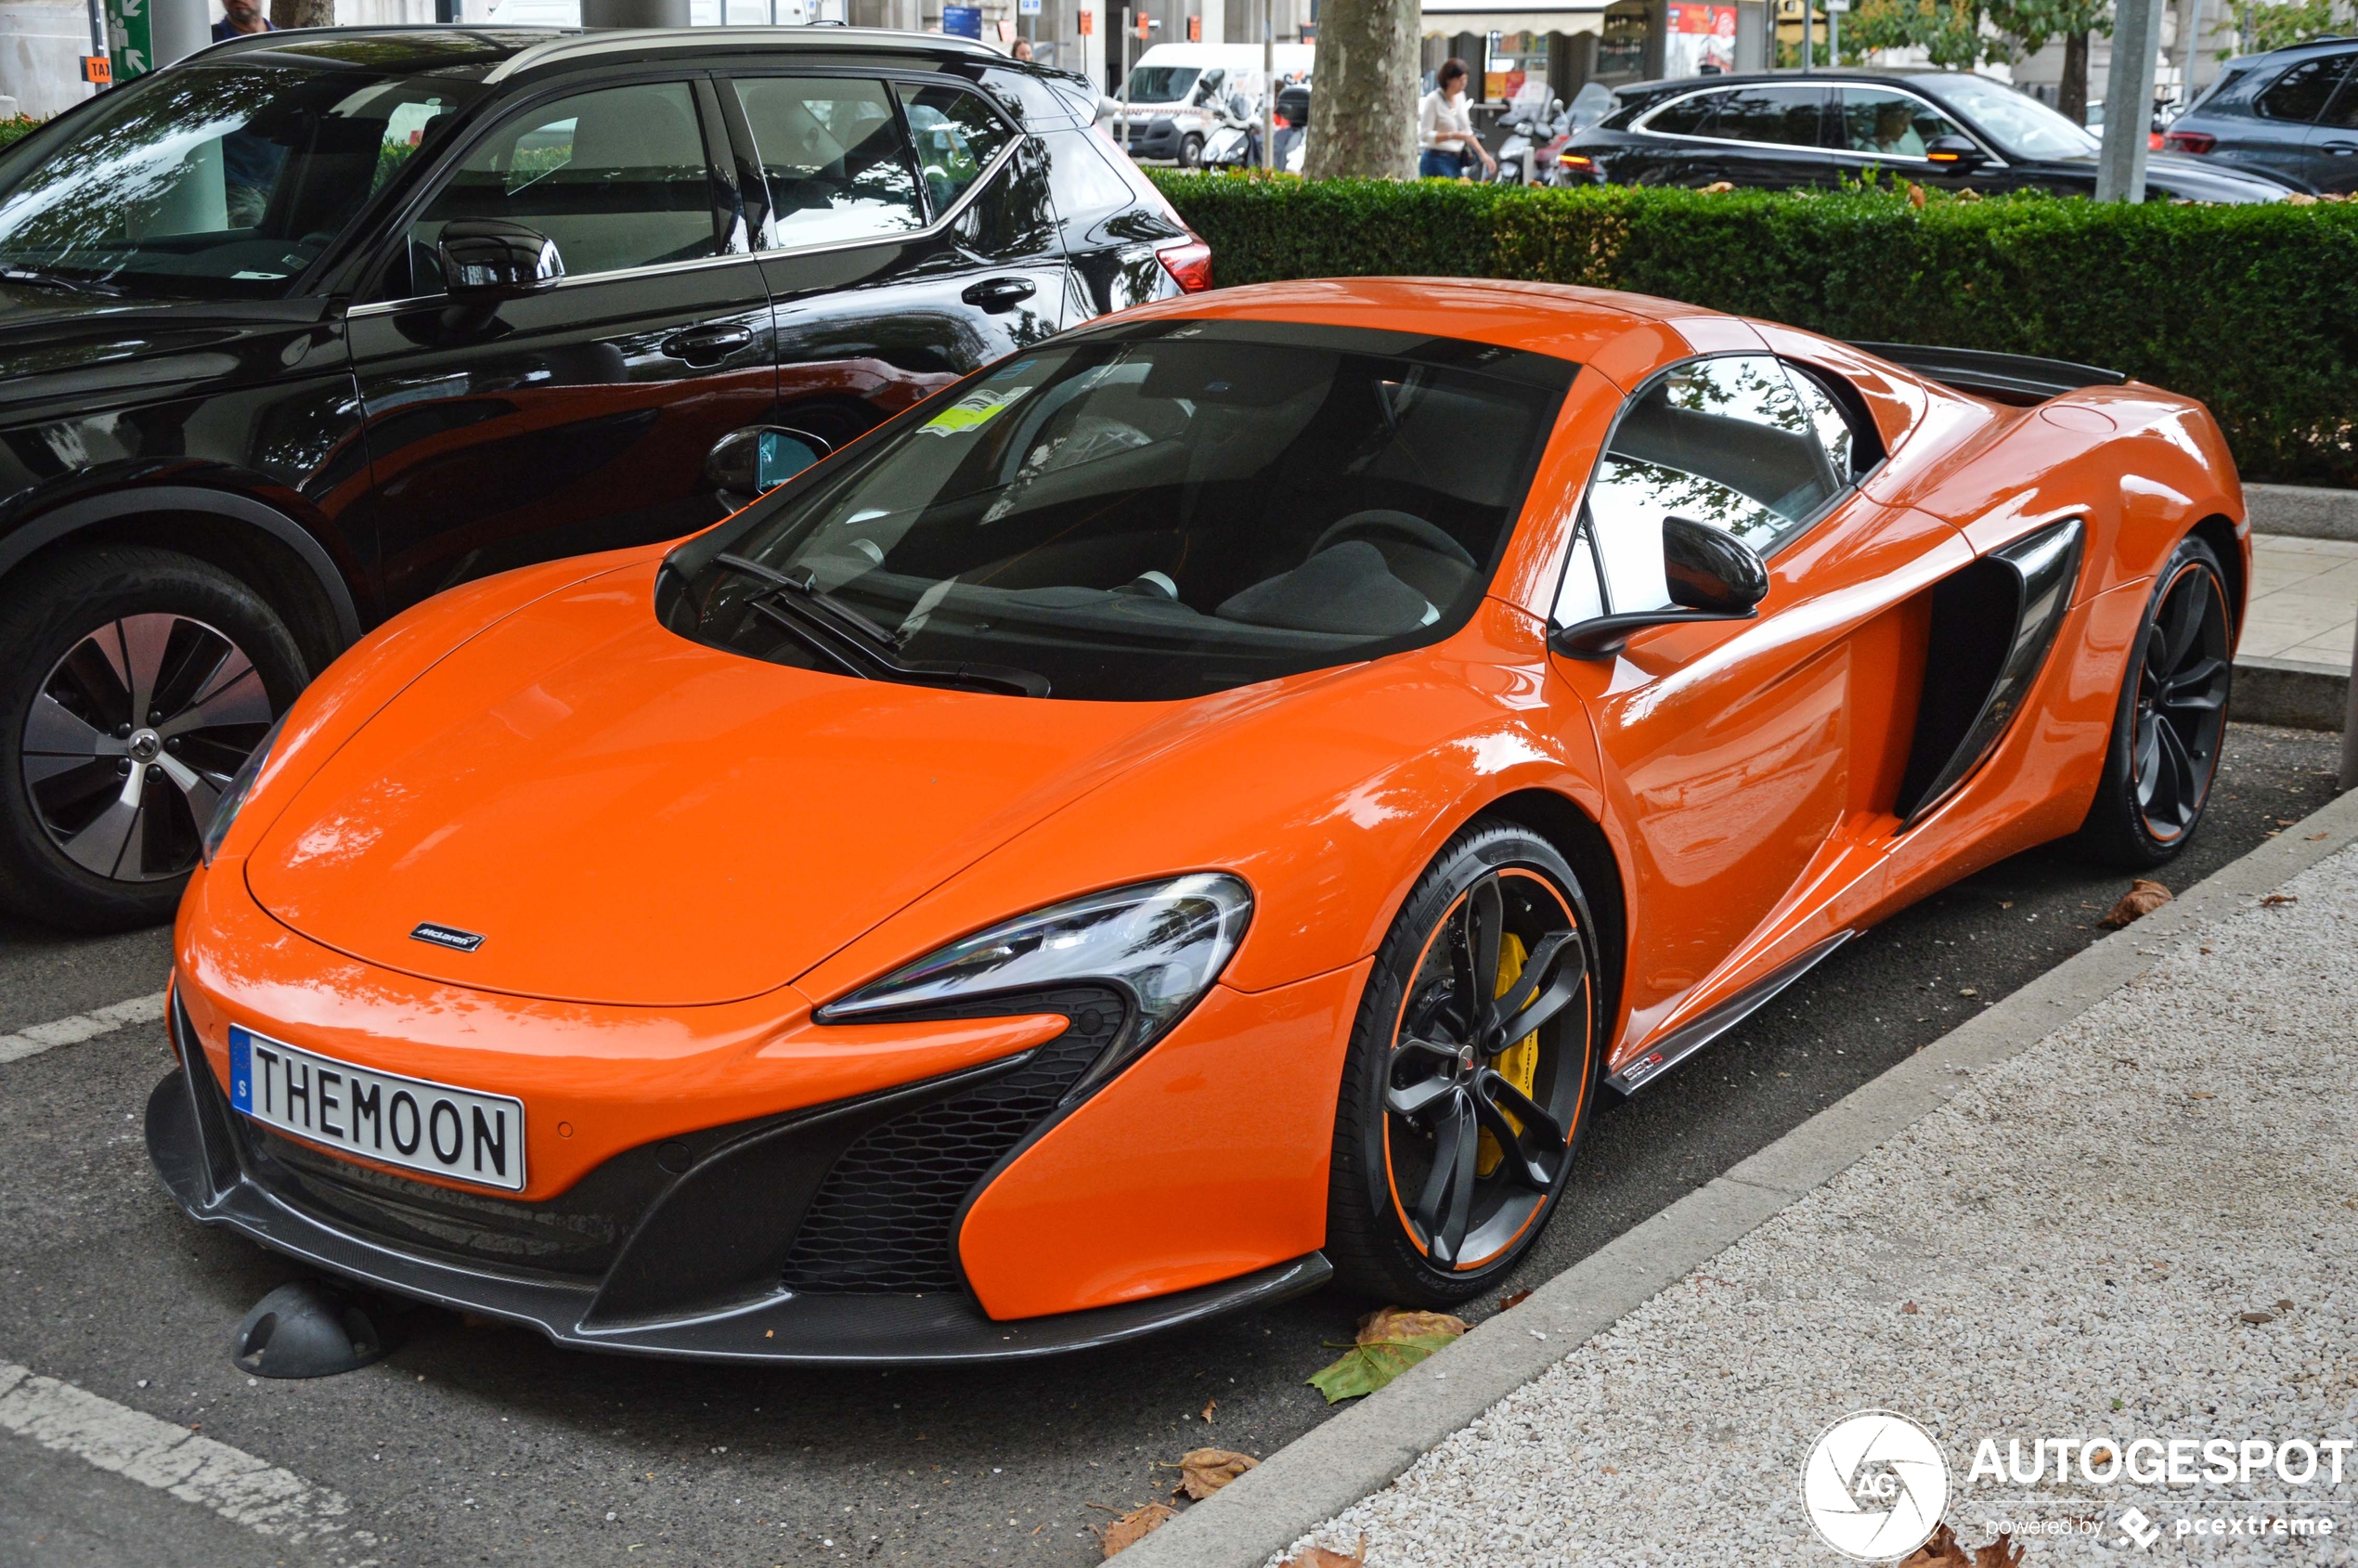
2292	113
1942	128
315	324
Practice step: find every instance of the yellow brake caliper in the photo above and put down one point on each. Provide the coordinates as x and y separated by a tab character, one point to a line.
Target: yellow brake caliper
1519	1062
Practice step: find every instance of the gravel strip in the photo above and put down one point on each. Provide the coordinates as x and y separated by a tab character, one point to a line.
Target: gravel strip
2066	1249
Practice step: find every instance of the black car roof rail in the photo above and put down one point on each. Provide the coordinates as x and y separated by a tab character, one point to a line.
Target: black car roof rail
2009	378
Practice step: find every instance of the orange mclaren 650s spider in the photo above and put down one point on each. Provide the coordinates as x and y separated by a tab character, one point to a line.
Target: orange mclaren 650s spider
1200	808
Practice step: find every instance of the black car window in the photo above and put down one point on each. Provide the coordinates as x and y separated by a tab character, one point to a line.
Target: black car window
1889	124
2342	113
1783	116
212	179
832	149
1688	117
2302	93
956	138
616	178
1156	512
1726	442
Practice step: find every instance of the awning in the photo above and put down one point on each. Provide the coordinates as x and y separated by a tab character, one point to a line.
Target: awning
1443	18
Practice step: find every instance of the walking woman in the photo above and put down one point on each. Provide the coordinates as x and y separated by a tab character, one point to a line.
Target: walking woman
1446	138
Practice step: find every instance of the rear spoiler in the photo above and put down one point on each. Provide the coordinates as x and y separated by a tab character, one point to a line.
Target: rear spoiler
2008	378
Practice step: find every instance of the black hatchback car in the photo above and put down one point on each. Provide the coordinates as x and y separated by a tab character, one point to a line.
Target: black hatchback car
1940	128
315	324
2290	113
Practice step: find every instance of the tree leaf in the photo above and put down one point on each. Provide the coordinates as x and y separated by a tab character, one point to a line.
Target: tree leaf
1396	1323
1363	1368
1136	1525
1203	1471
2144	897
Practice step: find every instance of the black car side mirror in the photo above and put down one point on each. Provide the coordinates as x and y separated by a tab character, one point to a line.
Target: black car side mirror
1712	575
746	462
1955	153
485	259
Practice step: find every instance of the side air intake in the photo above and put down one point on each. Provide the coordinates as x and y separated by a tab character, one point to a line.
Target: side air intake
1992	626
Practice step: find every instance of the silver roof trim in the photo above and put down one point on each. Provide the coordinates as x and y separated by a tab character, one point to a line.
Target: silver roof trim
624	41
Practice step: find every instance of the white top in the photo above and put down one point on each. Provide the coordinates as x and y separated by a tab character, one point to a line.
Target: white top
1438	117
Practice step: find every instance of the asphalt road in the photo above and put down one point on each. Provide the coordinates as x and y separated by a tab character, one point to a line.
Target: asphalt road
478	1444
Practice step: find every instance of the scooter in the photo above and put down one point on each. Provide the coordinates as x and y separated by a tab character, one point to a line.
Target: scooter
1235	144
1528	154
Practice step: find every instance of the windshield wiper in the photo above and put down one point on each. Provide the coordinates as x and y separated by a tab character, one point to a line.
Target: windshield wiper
858	645
11	273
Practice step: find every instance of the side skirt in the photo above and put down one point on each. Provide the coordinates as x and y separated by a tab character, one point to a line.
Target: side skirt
1689	1038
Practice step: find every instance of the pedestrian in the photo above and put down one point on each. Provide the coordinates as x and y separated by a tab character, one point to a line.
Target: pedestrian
1446	138
242	17
1022	50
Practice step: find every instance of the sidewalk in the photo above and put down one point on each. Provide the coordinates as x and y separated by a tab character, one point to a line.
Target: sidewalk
2293	664
2093	1239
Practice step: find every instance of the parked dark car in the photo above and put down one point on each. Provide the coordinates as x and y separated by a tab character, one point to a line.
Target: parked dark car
1940	128
312	325
2290	113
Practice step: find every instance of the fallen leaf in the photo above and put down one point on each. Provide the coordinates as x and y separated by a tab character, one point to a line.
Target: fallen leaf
2199	1094
1908	1307
1720	185
1209	1406
2005	904
2285	1305
2257	1317
2274	899
1915	194
1969	194
1969	991
1944	1551
1203	1471
2313	838
2144	897
1394	1323
2301	198
1514	1299
1135	1526
1327	1557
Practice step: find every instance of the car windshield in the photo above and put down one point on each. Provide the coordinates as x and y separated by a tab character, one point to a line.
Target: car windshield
220	180
1150	512
2022	126
1161	83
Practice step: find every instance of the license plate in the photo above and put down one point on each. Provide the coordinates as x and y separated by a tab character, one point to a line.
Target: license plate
407	1122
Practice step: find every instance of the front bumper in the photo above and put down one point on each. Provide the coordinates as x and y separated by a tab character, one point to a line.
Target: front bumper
699	1245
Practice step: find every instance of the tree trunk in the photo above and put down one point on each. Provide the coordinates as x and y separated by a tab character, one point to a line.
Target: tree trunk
1363	109
303	13
2071	94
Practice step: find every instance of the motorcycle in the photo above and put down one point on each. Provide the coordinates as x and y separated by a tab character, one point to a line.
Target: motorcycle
1236	142
1527	156
1292	118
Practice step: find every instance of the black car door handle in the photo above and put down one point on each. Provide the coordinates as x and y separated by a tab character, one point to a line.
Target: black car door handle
706	345
995	294
2341	148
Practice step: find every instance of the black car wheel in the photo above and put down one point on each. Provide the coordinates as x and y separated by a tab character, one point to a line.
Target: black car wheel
2172	715
1191	152
136	681
1472	1069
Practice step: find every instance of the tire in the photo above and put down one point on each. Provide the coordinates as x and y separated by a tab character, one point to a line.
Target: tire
2167	728
1385	1203
82	844
1191	152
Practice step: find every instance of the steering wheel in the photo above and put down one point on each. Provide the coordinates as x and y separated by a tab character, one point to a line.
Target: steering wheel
1400	524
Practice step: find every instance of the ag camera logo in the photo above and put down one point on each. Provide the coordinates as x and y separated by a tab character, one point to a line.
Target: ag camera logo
1874	1485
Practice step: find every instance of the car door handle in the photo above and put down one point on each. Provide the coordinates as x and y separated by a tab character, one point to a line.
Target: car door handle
706	345
2341	148
995	294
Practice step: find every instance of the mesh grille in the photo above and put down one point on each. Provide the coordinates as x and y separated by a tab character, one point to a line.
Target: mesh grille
881	1221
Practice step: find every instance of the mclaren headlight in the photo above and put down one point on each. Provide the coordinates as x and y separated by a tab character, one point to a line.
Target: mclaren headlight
1164	942
233	795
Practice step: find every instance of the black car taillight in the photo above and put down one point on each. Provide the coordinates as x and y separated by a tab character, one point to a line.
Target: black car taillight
2188	141
1189	262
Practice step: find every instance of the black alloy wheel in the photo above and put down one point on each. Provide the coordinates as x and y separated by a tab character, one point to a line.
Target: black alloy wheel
1473	1070
133	685
2168	732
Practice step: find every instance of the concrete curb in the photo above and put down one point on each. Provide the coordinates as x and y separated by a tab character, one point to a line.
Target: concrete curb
1365	1448
2303	512
2301	696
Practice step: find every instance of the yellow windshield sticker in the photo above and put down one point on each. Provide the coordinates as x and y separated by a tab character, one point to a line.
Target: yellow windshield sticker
970	412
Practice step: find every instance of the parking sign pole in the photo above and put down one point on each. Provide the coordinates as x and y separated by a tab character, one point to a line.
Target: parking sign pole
2129	97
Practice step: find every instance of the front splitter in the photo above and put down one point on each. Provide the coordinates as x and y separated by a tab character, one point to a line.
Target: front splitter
199	1166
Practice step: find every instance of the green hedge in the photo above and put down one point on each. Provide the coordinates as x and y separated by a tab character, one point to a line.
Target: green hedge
17	129
2252	309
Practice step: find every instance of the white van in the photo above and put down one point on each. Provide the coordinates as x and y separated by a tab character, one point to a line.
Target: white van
1174	87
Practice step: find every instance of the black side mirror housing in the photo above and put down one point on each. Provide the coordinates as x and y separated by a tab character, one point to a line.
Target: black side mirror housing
746	462
1961	153
491	259
1712	575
